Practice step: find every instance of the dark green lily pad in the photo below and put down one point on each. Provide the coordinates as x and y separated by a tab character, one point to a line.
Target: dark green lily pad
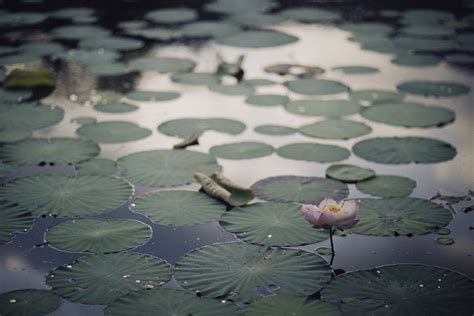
13	97
87	58
113	132
257	39
159	168
13	135
329	108
112	43
203	29
178	207
275	130
310	14
153	96
96	167
428	31
387	186
172	15
29	116
241	6
335	129
400	216
98	235
426	16
267	99
446	241
154	33
424	44
405	289
162	64
100	279
433	88
356	69
316	86
242	150
232	89
22	18
416	60
41	48
372	28
400	150
259	82
70	13
67	196
6	170
58	151
78	32
29	302
196	78
284	305
313	152
14	219
460	59
237	270
186	126
271	224
375	96
112	69
349	173
115	107
253	19
23	58
308	190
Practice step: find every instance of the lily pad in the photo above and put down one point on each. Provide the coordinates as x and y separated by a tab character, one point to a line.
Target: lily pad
113	132
29	116
195	78
433	88
186	126
409	114
96	167
100	279
259	82
428	31
429	45
224	189
253	19
283	305
387	186
313	152
400	216
162	64
275	130
159	168
257	39
244	268
310	14
300	71
416	60
98	235
13	135
112	43
13	97
356	69
203	29
242	150
426	16
271	224
30	79
401	150
232	89
84	120
349	173
87	58
153	96
308	190
14	219
172	15
58	151
375	96
115	107
405	289
41	48
316	86
241	6
460	60
111	69
29	302
178	207
67	196
78	32
372	28
335	129
22	18
446	241
329	108
267	99
23	58
323	251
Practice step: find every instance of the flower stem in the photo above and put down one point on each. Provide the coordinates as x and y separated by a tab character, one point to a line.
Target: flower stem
332	245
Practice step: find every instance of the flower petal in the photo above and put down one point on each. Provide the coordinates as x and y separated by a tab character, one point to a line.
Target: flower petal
326	202
311	213
350	206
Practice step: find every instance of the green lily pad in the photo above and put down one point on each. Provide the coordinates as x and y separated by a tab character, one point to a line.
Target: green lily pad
400	216
13	97
253	19
242	150
84	120
100	279
96	167
78	32
433	88
275	130
111	43
409	114
87	58
267	99
67	196
113	132
241	6
186	126
375	96
23	58
308	190
22	18
329	108
58	151
428	31
98	235
244	268
178	207
310	86
401	150
356	69
167	301
349	173
172	15
372	28
29	302
41	48
115	107
159	168
426	16
153	96
232	89
313	152
405	289
284	305
224	189
111	69
387	186
162	64
443	231
335	129
70	13
416	60
446	241
429	45
310	14
203	29
29	116
460	60
259	82
271	224
196	78
6	170
257	39
14	219
13	135
154	33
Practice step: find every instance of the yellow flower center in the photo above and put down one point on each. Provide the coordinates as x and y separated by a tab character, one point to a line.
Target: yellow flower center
333	208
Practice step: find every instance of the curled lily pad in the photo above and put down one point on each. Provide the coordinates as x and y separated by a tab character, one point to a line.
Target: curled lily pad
153	96
283	305
29	116
257	39
166	167
186	126
178	207
329	108
445	241
316	86
190	140
242	150
356	69
115	107
195	78
100	279
112	43
400	150
424	290
113	132
310	14
275	130
313	152
96	167
14	219
204	29
271	224
162	64
244	269
267	99
232	89
433	88
349	173
387	186
58	151
323	251
308	190
335	129
172	15
29	302
98	235
222	188
376	96
67	196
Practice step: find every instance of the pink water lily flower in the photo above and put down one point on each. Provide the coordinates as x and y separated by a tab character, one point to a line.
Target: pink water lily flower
329	213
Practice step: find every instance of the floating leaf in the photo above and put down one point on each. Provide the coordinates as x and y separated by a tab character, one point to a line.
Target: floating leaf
24	58
335	129
242	150
426	16
190	140
14	219
13	97
222	188
372	28
29	116
257	39
257	19
30	79
446	241
297	70
232	89
267	99
96	167
308	190
447	197
428	31
87	58
77	32
316	86
115	107
13	135
416	60
443	231
400	150
259	82
460	60
275	130
100	279
153	96
375	96
313	152
310	14
349	173
112	43
428	45
186	126
67	196
113	132
98	235
29	302
283	305
162	64
241	6
330	108
203	29
244	268
84	120
433	88
111	69
172	15
387	186
196	78
356	69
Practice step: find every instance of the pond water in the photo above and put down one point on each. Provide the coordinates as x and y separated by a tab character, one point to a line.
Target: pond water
26	260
